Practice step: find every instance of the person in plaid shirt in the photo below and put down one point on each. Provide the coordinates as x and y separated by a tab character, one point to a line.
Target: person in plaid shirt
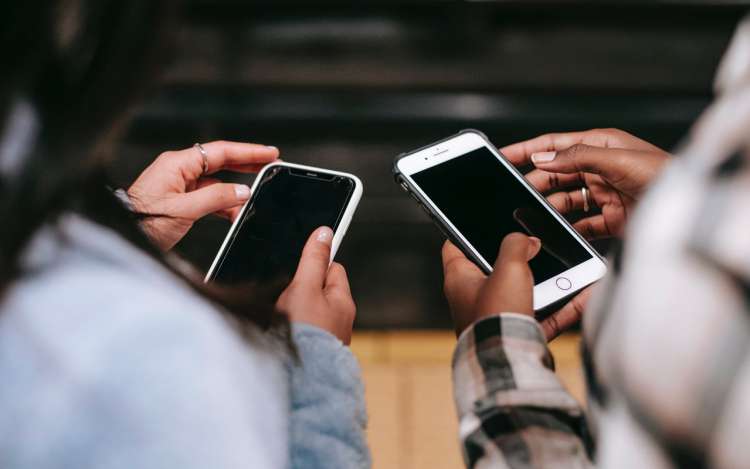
666	336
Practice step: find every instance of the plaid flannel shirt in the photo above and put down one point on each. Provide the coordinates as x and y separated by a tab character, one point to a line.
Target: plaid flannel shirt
666	342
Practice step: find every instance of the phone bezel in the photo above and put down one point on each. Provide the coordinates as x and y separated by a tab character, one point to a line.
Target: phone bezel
338	234
546	292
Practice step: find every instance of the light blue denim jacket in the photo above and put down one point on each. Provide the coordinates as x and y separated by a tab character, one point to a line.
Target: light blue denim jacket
109	361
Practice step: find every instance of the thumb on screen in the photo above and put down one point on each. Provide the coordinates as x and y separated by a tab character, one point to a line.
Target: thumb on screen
316	257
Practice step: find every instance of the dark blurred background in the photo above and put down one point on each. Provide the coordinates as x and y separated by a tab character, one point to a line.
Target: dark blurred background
349	85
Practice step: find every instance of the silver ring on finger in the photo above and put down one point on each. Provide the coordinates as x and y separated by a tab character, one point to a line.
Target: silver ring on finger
585	193
204	155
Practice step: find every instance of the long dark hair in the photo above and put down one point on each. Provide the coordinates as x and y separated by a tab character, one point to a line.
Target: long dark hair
81	65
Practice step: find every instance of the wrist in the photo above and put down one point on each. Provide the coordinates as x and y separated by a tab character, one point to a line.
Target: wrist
303	324
490	316
464	325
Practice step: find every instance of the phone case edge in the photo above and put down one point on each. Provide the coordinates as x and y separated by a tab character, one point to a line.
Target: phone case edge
444	228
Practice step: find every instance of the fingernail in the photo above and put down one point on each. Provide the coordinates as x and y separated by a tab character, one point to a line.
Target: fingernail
325	234
534	245
242	191
270	147
543	156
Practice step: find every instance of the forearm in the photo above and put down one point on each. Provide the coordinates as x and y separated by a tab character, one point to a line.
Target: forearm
513	409
328	415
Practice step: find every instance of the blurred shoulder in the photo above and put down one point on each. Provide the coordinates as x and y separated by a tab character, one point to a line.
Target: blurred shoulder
87	289
99	342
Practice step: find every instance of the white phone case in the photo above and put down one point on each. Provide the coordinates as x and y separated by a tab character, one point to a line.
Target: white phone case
338	235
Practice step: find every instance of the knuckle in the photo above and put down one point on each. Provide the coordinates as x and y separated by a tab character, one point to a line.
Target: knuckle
283	301
513	269
351	308
577	150
580	177
166	155
552	180
554	326
514	238
341	270
568	202
612	131
554	200
550	137
588	230
223	192
316	252
453	268
344	304
290	290
516	267
229	194
321	256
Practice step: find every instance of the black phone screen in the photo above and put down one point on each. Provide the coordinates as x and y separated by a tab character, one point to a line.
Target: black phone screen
286	207
485	202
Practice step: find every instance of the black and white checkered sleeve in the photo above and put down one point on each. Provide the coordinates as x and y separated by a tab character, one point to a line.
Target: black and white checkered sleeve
514	412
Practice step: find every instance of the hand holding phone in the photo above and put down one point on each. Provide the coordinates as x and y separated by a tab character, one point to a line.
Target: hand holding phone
319	294
476	197
181	191
289	231
615	166
288	202
509	288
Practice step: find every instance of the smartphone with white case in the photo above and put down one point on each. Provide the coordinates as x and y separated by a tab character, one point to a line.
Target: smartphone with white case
288	202
476	197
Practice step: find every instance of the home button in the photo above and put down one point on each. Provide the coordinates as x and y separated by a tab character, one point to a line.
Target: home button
563	283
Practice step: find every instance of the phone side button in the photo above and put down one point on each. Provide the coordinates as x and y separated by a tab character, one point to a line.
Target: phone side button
442	229
437	223
563	283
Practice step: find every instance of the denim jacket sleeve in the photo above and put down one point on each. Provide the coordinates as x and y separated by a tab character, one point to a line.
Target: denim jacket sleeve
328	415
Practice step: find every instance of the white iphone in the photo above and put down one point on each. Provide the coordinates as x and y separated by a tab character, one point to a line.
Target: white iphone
477	197
288	202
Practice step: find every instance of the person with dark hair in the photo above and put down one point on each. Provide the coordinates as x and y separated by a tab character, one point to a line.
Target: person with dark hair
666	335
112	352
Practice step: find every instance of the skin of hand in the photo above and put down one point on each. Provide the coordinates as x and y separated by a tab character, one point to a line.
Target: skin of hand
616	167
319	294
472	295
177	192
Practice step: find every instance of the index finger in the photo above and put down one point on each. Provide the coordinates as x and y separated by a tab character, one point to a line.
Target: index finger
454	259
519	154
226	155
